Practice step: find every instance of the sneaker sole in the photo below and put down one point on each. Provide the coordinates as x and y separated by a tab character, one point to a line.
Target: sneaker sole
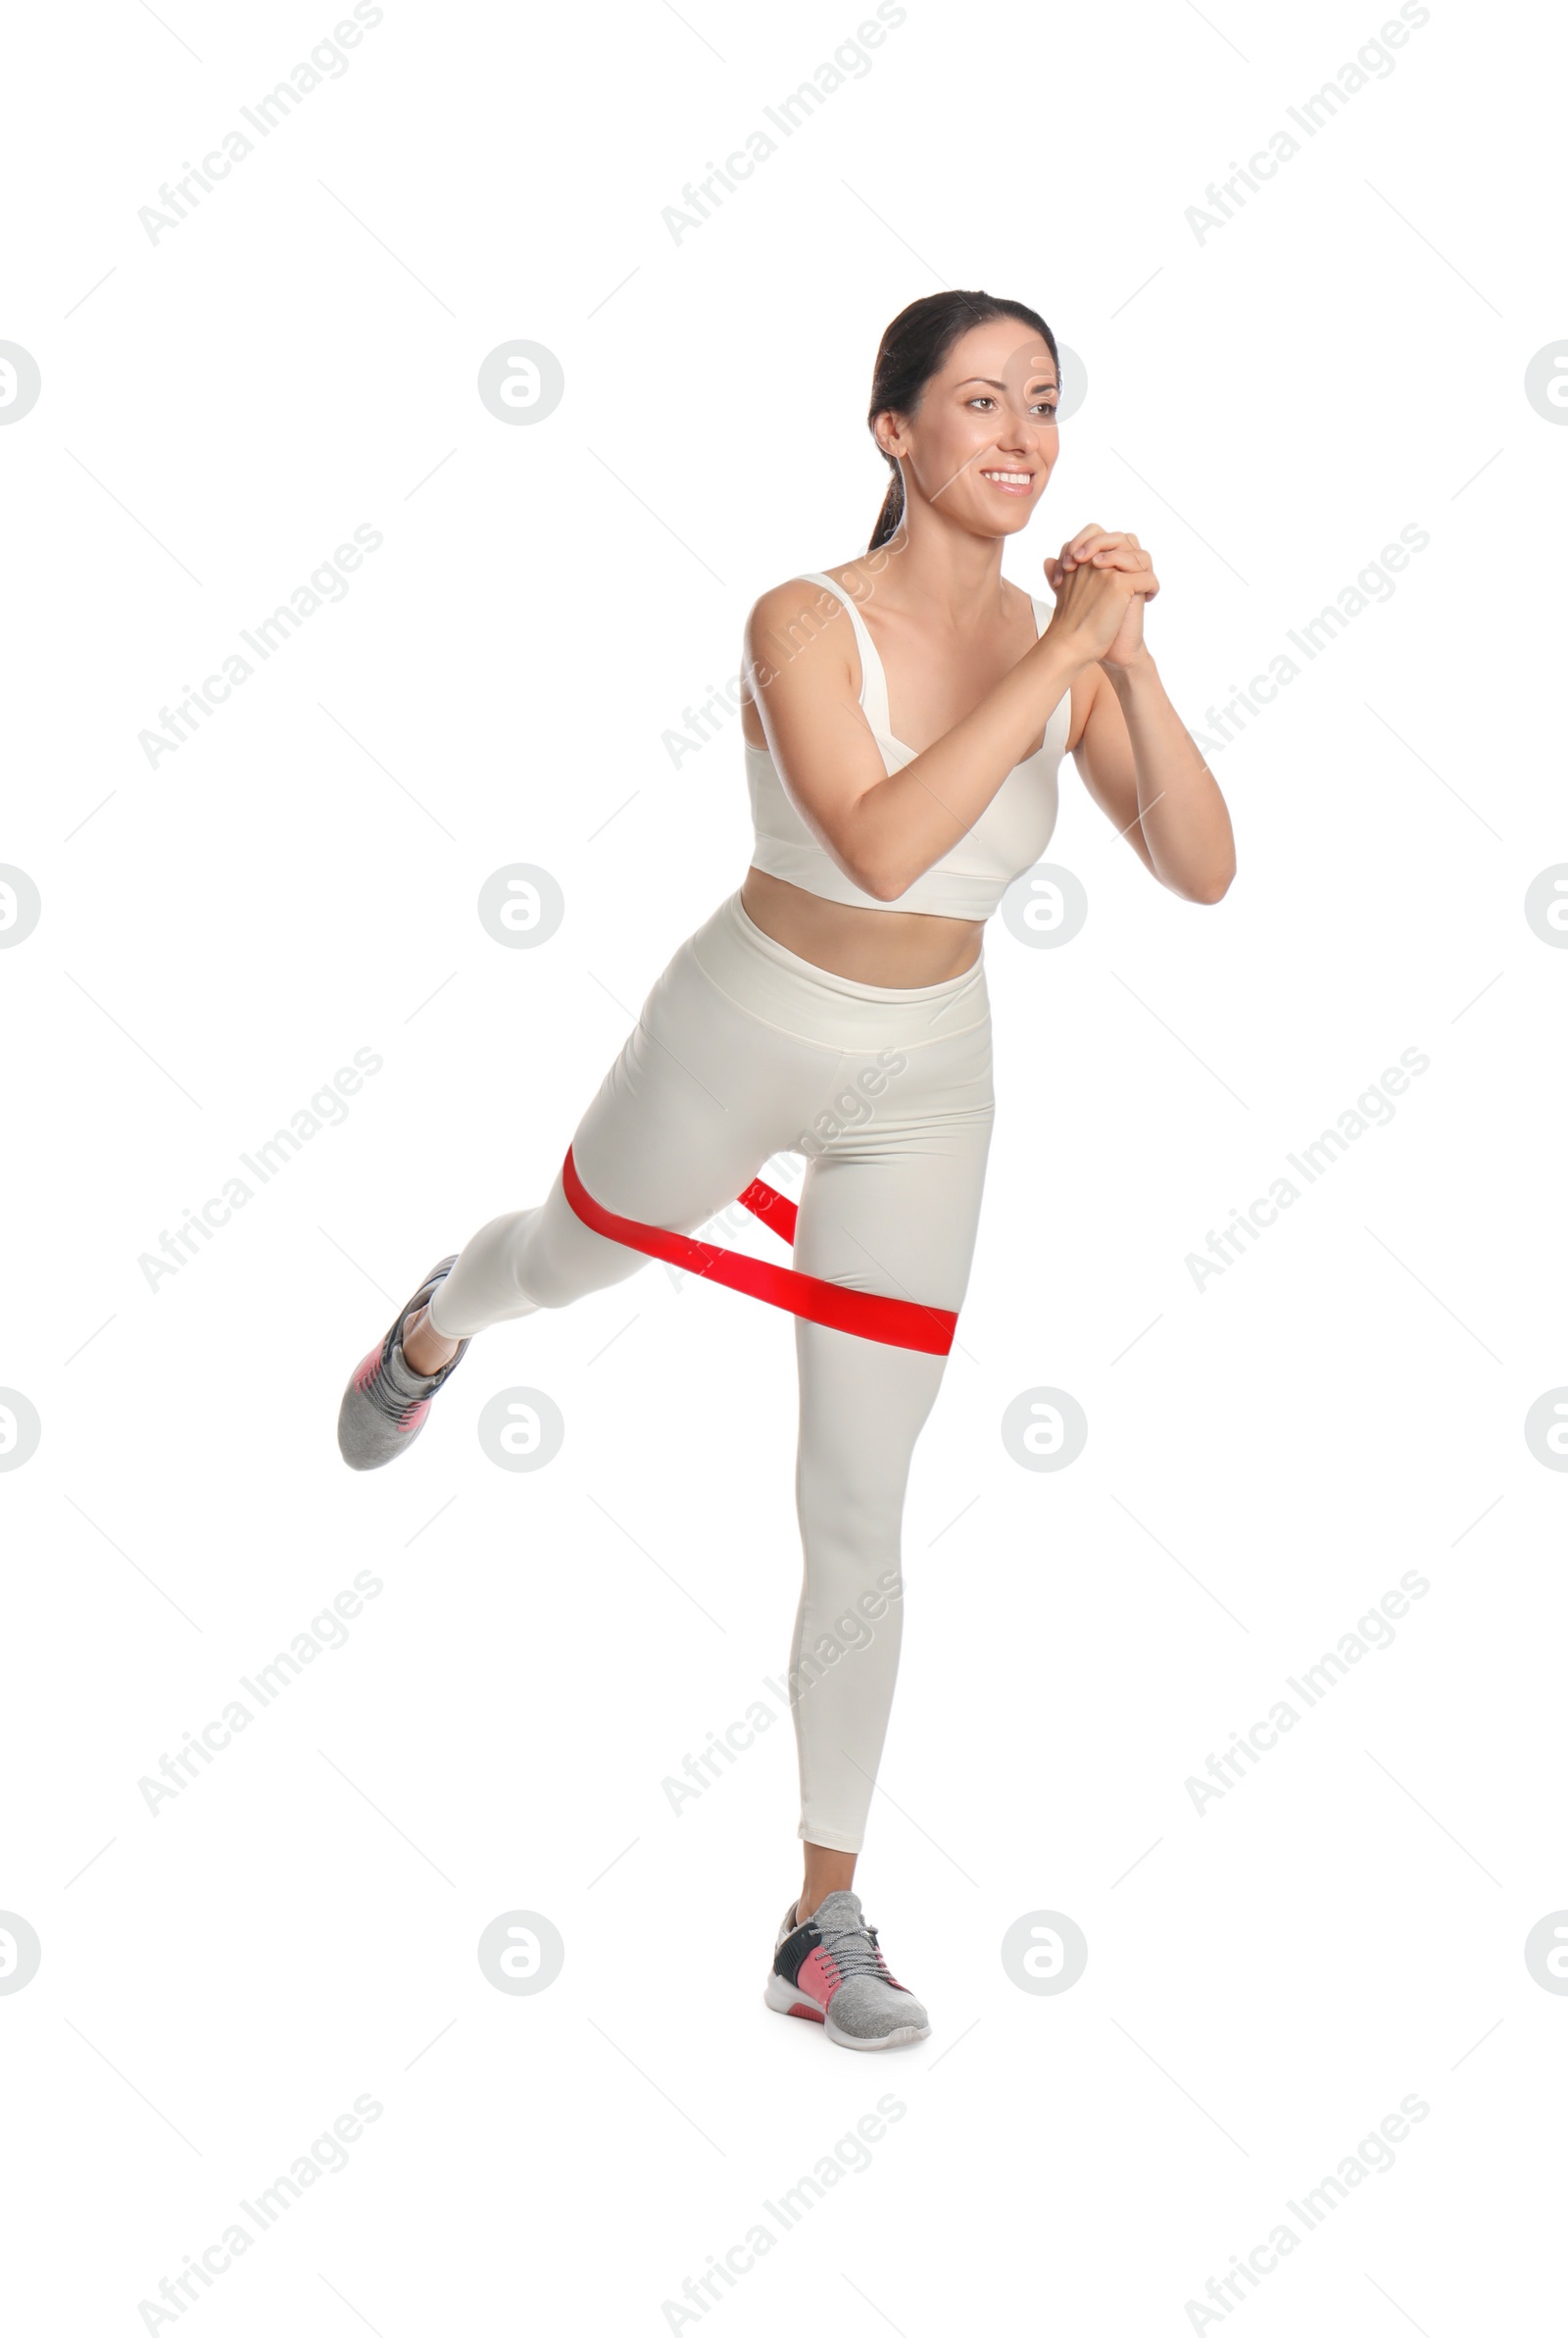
783	1997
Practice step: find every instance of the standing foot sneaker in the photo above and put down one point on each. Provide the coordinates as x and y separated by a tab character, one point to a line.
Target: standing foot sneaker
830	1970
385	1401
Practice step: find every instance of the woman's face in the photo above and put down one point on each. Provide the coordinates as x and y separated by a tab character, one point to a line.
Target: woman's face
985	439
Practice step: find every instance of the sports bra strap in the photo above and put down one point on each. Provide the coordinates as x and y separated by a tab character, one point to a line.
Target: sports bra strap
873	681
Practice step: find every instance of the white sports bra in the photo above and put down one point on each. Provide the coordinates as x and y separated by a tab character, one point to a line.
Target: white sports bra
1008	837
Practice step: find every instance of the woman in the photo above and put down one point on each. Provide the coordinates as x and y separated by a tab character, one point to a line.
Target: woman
901	775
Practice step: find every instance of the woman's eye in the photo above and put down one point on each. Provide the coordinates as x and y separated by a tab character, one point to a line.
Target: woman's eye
1048	411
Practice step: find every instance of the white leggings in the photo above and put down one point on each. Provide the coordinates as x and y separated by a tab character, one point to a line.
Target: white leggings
744	1050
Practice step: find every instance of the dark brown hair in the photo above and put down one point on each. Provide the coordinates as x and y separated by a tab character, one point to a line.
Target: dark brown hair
916	346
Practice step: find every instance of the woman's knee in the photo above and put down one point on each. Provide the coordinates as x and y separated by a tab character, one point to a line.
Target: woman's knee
558	1259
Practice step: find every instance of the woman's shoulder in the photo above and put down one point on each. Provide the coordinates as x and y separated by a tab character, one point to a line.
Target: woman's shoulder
799	616
806	589
801	609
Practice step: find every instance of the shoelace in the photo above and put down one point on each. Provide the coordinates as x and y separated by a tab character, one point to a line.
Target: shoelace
855	1950
381	1387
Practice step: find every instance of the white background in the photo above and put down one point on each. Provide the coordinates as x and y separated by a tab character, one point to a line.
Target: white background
1266	408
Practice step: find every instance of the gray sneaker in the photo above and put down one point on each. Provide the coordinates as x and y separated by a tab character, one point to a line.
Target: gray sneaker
830	1970
386	1399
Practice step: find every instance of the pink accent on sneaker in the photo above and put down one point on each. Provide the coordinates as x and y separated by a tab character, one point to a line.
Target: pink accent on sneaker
365	1375
807	2013
818	1977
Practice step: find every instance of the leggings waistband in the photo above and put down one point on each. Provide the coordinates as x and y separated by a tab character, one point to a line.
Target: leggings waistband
814	1002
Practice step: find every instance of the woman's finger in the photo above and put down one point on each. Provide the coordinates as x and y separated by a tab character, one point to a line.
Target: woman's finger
1117	555
1074	548
1088	541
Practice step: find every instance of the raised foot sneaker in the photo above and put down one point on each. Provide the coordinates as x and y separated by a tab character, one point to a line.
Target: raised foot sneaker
385	1401
830	1970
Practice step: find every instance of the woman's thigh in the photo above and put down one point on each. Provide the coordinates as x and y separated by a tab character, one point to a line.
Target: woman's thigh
700	1096
890	1201
891	1204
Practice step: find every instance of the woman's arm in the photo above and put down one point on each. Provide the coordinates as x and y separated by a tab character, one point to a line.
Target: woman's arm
1134	753
886	830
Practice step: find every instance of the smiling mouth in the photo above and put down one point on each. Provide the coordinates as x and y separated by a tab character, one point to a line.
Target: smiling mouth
1011	483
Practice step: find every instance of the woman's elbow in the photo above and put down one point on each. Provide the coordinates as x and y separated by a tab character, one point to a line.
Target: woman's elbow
874	877
1212	887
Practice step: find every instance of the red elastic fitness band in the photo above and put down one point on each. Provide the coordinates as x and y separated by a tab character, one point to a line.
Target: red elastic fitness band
897	1322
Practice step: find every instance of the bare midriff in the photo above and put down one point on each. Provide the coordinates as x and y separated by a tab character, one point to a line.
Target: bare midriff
895	949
